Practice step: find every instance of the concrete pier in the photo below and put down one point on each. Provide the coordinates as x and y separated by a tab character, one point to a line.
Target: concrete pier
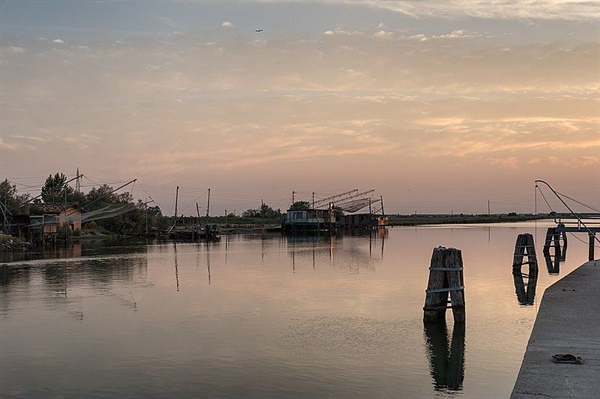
568	322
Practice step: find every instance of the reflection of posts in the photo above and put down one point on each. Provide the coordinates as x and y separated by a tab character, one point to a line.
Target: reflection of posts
552	263
445	278
554	235
176	268
447	364
525	296
524	247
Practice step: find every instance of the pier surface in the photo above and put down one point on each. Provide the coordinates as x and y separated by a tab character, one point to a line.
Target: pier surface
568	322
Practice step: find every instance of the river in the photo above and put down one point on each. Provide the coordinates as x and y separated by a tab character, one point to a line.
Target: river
268	316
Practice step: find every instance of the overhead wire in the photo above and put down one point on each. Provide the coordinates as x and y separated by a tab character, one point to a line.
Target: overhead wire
544	197
580	203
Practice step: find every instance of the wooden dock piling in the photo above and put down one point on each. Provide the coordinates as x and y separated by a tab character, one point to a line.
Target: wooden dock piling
554	236
524	247
445	278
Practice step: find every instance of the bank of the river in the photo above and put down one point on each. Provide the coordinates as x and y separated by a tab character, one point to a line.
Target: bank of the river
568	322
417	219
13	244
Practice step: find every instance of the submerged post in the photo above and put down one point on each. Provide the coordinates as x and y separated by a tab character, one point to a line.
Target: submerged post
445	278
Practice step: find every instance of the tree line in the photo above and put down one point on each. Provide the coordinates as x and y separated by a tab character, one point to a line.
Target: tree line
139	220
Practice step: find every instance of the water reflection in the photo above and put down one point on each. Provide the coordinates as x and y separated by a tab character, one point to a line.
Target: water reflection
176	268
554	255
208	262
525	295
14	276
552	263
446	359
13	279
259	330
58	275
351	251
55	278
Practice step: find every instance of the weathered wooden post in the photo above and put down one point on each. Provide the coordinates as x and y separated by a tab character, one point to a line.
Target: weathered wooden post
445	277
553	237
524	247
562	237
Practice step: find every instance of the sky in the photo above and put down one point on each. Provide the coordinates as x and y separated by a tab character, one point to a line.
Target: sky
439	106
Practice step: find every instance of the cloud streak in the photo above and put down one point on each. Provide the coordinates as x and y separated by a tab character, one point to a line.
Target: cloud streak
225	107
486	9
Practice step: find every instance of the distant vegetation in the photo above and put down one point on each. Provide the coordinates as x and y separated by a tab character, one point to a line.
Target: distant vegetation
141	218
412	220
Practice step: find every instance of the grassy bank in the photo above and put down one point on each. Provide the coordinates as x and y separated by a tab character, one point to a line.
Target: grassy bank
13	244
413	220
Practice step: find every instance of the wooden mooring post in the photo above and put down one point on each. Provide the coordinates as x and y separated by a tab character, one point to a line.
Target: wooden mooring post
524	247
554	235
445	278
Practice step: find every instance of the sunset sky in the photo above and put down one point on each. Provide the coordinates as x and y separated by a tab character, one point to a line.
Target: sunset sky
440	106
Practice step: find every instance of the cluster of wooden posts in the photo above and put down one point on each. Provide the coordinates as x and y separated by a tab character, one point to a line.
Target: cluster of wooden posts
446	288
445	280
525	255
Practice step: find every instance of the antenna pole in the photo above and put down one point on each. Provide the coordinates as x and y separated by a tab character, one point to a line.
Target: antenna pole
176	199
208	205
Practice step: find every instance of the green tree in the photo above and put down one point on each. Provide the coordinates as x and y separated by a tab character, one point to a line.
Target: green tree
10	198
55	189
300	206
265	212
99	197
251	213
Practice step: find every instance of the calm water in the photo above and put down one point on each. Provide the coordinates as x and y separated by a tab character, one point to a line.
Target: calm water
268	317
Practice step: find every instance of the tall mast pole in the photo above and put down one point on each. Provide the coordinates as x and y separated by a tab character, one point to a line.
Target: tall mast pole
208	205
77	183
176	199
